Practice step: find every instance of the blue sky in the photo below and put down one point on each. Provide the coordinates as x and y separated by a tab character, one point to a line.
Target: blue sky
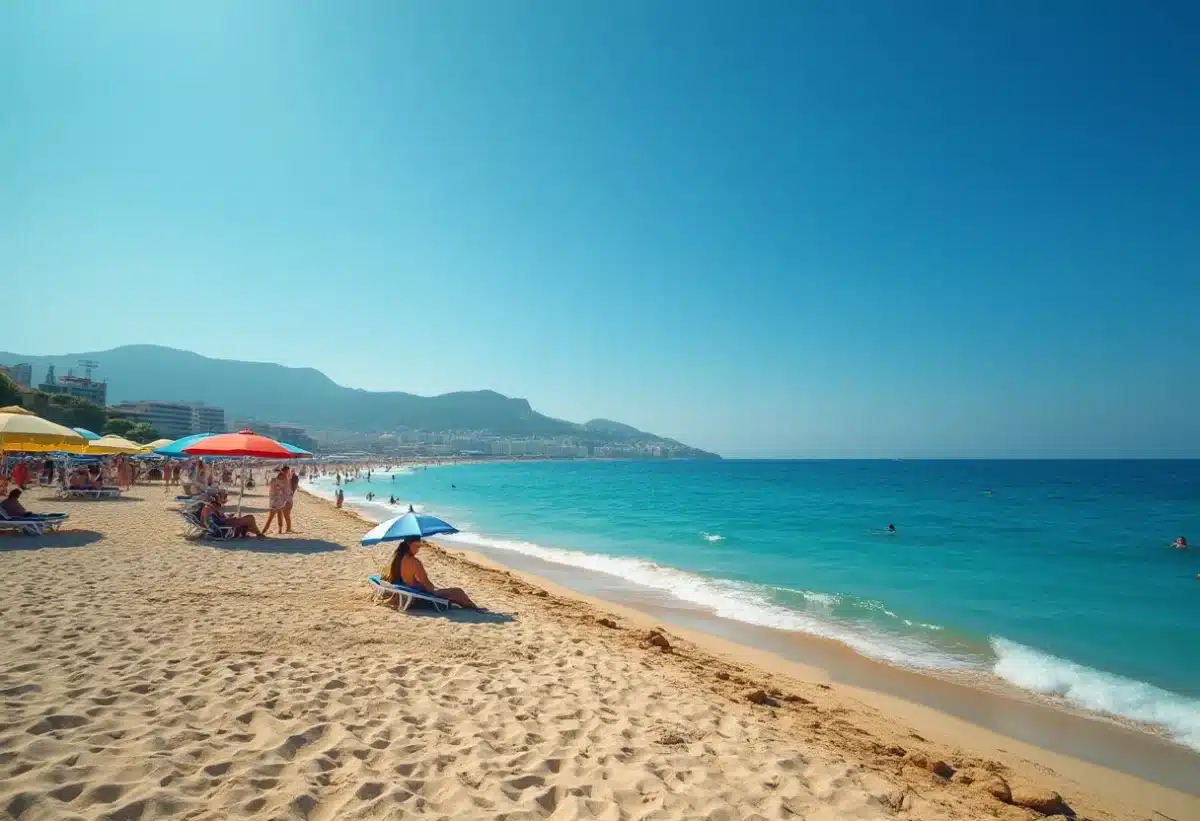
770	229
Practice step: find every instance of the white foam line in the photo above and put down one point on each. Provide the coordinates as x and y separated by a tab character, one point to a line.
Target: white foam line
1099	691
731	600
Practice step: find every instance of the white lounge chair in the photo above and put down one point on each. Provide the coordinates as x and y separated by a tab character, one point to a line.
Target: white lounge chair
221	533
88	493
35	524
406	594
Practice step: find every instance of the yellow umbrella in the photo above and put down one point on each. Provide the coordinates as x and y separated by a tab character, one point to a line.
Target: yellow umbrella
159	443
21	430
111	444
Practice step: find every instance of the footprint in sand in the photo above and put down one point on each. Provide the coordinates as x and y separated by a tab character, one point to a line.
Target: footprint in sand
56	722
67	792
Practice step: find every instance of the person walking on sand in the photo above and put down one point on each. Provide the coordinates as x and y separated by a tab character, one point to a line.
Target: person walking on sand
340	497
293	483
277	498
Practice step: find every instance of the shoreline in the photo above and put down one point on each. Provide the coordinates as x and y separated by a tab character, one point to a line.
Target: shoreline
195	678
1008	712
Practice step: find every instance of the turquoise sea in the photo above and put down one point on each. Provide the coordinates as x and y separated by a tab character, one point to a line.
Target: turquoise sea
1054	576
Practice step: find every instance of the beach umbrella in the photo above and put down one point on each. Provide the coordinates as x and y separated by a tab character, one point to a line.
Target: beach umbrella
159	443
113	444
298	453
176	448
245	444
86	434
21	430
407	526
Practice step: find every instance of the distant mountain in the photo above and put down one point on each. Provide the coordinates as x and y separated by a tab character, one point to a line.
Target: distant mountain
607	426
274	393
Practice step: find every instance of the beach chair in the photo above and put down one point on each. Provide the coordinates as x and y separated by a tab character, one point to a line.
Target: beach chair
88	493
406	594
195	528
34	524
221	533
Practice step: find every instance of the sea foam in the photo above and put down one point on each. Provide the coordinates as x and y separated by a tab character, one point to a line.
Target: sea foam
1099	691
737	601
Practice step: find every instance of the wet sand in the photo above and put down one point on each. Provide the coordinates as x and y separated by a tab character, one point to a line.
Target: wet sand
1072	733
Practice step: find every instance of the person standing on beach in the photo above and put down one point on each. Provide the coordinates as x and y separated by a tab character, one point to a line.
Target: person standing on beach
340	496
277	498
293	483
20	474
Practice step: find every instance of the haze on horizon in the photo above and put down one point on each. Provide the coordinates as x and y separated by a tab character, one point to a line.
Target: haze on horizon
790	229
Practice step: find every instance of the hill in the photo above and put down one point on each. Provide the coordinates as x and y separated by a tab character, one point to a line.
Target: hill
274	393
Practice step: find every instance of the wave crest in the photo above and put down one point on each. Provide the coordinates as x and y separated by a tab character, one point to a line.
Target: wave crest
1096	690
738	601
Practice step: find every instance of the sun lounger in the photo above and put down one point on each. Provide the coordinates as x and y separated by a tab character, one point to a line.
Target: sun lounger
194	526
221	533
33	524
88	492
406	594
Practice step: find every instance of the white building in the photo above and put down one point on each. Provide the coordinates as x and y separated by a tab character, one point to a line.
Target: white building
174	420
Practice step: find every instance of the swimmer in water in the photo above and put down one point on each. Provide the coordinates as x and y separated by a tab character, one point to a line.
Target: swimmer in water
891	529
1180	543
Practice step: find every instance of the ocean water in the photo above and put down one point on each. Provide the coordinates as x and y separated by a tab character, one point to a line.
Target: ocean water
1053	576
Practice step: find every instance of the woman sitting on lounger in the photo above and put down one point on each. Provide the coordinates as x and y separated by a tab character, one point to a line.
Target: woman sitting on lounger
12	504
213	511
406	569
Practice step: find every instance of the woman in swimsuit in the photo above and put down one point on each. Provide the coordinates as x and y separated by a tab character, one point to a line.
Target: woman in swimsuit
406	569
293	484
278	495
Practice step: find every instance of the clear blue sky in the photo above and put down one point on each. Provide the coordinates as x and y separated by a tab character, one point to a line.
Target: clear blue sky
793	228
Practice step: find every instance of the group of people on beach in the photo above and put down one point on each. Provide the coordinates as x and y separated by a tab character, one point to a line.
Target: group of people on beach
281	492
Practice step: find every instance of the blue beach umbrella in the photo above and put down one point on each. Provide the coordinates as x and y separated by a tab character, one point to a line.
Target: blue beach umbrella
295	451
87	434
408	526
75	458
176	447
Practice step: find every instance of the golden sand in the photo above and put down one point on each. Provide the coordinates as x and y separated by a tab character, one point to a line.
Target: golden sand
145	676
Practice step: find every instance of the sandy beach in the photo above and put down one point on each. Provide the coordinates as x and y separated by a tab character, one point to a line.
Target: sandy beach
146	676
